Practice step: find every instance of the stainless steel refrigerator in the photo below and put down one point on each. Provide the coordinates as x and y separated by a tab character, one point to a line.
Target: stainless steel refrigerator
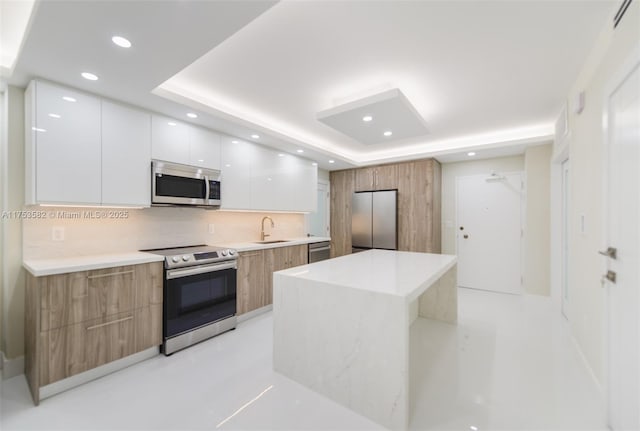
374	220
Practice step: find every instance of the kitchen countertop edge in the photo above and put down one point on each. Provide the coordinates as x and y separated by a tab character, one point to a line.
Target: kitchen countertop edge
44	267
252	246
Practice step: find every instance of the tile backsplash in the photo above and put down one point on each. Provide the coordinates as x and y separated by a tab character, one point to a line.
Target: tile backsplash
85	231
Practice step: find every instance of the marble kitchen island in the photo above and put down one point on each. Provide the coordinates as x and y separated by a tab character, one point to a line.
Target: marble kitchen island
341	326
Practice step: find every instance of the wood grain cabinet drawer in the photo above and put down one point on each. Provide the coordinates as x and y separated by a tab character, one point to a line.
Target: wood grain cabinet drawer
76	297
78	321
72	349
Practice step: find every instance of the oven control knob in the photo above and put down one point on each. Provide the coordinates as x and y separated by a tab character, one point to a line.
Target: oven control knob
232	252
224	252
175	259
185	257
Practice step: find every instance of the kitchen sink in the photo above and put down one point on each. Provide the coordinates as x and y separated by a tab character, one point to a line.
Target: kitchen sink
273	241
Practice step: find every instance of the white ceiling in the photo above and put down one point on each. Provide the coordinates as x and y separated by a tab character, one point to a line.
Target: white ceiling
488	73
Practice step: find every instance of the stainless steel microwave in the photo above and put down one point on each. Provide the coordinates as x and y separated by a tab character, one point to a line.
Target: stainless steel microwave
176	184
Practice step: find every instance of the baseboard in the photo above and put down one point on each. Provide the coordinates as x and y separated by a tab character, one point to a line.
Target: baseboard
254	313
95	373
11	367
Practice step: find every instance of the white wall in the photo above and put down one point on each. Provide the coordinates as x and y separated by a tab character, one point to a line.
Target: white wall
3	186
13	280
473	167
537	165
586	150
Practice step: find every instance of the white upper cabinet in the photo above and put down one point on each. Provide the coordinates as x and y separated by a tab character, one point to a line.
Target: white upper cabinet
83	150
177	142
126	155
258	178
237	162
63	150
169	140
204	148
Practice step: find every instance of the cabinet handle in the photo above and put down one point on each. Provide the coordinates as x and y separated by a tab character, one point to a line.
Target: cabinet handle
124	319
249	254
111	274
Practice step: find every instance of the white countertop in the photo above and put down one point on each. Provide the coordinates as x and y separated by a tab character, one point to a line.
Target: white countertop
249	246
42	267
398	273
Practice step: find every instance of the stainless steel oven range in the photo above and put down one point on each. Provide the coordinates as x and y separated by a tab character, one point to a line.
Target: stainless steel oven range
199	294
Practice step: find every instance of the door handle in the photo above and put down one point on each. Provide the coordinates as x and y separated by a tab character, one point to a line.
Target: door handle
610	276
611	252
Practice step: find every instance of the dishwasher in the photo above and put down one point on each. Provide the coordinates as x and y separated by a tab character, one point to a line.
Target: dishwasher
319	251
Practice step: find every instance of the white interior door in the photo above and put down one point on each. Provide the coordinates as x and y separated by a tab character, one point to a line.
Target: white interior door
623	234
489	229
565	240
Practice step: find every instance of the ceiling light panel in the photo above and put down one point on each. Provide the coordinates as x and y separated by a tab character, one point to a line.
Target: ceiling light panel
392	112
121	41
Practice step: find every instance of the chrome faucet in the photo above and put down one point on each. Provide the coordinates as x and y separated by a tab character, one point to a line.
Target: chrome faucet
262	234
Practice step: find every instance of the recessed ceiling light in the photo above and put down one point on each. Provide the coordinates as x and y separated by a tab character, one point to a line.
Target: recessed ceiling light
254	136
227	165
234	142
201	160
300	151
367	118
121	41
54	115
90	76
171	123
280	155
68	99
332	161
388	133
37	129
192	115
314	164
268	179
471	154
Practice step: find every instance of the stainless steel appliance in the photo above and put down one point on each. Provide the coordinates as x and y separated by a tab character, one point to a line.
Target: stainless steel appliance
319	251
175	184
199	294
374	220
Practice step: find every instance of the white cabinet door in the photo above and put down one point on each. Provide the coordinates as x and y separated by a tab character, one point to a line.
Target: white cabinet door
126	156
169	140
204	148
237	164
267	180
67	146
304	182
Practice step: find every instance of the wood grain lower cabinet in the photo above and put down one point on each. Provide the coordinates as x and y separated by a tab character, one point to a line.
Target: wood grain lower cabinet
255	274
79	321
251	287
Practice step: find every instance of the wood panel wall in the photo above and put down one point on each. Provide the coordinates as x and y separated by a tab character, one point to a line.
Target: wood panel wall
419	203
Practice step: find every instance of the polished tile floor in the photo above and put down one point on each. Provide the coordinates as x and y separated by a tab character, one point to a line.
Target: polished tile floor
510	364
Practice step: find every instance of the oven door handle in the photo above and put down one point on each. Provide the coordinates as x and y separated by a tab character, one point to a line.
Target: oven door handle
177	273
